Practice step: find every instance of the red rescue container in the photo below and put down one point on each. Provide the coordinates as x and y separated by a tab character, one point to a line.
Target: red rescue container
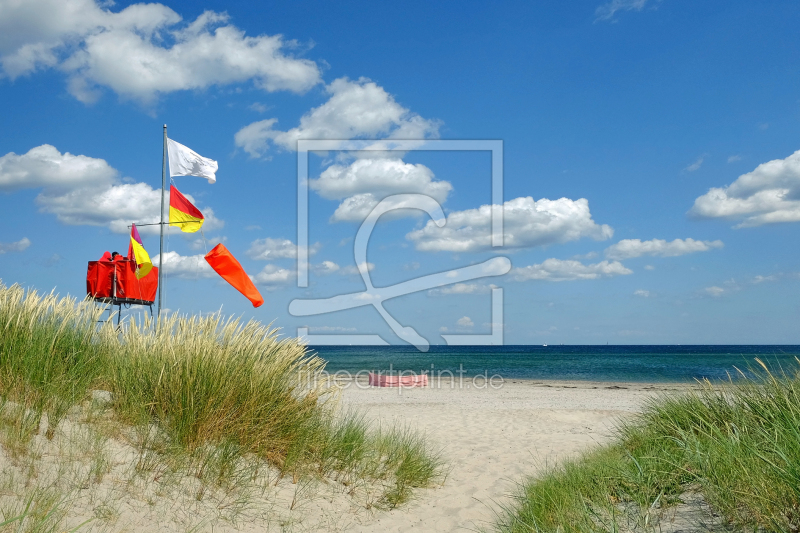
115	282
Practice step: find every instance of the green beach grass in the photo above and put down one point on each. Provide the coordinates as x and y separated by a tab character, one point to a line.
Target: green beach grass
207	396
735	445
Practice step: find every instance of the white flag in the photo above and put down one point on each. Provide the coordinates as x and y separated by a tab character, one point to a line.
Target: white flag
184	161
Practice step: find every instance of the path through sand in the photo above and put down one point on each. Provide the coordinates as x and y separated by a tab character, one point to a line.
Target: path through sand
492	439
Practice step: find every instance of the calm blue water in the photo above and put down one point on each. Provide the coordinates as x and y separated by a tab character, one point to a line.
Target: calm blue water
587	363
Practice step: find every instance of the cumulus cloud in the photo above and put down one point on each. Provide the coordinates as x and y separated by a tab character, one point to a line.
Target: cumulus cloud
568	270
326	267
379	177
182	266
641	292
465	322
727	287
463	288
352	270
608	10
143	50
114	206
82	190
45	166
268	249
715	291
272	275
355	110
365	182
19	246
527	223
629	248
769	194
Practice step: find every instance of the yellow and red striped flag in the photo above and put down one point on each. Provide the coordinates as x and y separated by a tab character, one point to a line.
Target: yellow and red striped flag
182	214
137	252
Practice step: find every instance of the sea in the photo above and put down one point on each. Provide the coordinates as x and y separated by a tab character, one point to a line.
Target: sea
662	364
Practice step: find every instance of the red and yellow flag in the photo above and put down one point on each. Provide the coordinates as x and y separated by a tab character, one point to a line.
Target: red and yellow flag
137	252
182	213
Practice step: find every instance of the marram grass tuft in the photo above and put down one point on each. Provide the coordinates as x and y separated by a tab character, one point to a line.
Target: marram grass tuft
206	391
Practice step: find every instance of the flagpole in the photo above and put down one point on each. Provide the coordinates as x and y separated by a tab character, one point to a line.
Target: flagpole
161	245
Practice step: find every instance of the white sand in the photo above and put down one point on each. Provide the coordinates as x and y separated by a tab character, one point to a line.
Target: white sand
492	439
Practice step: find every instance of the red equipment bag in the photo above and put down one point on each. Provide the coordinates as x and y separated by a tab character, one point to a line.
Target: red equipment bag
116	282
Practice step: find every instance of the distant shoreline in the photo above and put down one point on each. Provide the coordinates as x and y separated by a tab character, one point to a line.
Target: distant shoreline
613	364
448	383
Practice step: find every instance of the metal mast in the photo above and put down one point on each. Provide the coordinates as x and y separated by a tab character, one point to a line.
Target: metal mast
161	245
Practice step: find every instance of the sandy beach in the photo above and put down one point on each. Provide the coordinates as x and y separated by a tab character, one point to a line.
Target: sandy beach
493	438
490	439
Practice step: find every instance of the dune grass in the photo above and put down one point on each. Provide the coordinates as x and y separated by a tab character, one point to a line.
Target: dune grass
197	394
737	444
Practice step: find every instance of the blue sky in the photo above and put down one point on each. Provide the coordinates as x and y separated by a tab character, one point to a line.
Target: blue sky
652	192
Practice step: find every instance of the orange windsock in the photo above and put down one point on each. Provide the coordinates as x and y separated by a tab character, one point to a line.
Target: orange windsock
223	262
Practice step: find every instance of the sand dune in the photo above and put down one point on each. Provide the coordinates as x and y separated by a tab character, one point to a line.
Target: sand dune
490	438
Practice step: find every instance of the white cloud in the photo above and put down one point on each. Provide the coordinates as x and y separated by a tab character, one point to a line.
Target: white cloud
367	296
641	292
45	166
462	288
19	246
464	322
142	50
734	158
380	177
608	10
352	270
715	291
365	182
762	279
728	287
768	194
527	223
273	275
114	206
258	107
558	270
629	248
268	249
187	267
355	110
696	165
82	190
326	267
649	267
